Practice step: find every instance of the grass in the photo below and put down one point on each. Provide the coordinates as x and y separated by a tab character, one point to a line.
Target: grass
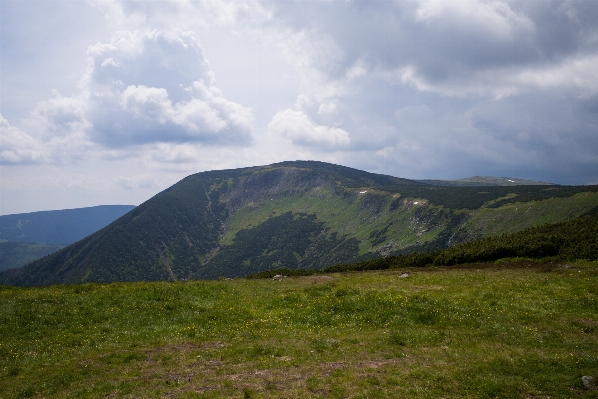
350	217
508	330
347	216
516	216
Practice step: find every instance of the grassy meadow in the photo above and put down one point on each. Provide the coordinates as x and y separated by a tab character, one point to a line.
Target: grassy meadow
502	330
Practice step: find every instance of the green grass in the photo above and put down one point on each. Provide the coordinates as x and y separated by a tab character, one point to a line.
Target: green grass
512	217
481	331
349	216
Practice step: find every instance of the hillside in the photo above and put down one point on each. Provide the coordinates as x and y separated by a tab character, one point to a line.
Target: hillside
26	237
486	181
59	227
15	254
232	223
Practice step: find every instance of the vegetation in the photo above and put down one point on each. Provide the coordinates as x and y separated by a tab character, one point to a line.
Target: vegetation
58	227
500	331
468	197
295	241
298	215
285	272
486	181
14	254
564	241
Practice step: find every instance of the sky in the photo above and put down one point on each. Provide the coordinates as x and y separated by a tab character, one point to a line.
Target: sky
110	102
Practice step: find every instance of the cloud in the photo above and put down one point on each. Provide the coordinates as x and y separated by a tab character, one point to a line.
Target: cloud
143	87
165	14
465	62
493	18
16	146
421	88
135	182
157	86
485	47
166	153
296	126
579	74
59	116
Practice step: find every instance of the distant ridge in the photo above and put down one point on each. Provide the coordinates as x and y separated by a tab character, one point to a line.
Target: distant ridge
486	181
58	227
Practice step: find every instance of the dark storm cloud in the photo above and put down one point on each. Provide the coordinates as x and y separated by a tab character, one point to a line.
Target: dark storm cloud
507	87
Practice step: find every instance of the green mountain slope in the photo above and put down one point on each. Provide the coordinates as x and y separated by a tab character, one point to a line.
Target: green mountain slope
232	223
486	181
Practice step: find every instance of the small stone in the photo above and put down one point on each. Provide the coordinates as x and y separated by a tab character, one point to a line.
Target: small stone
587	381
403	275
278	277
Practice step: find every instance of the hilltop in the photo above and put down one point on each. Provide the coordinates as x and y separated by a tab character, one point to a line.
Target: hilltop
298	215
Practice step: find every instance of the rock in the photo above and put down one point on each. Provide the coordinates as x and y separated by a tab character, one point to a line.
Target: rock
587	381
403	275
278	277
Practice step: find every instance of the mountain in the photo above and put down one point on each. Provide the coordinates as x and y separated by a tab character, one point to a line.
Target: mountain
58	227
486	181
301	214
26	237
15	254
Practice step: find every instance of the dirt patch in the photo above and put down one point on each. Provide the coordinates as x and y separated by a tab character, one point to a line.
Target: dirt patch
209	345
317	279
524	264
173	348
330	367
374	364
181	349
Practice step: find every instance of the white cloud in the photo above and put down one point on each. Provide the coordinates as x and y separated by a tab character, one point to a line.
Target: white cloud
167	153
165	14
59	116
151	86
16	146
329	108
165	93
135	182
296	126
